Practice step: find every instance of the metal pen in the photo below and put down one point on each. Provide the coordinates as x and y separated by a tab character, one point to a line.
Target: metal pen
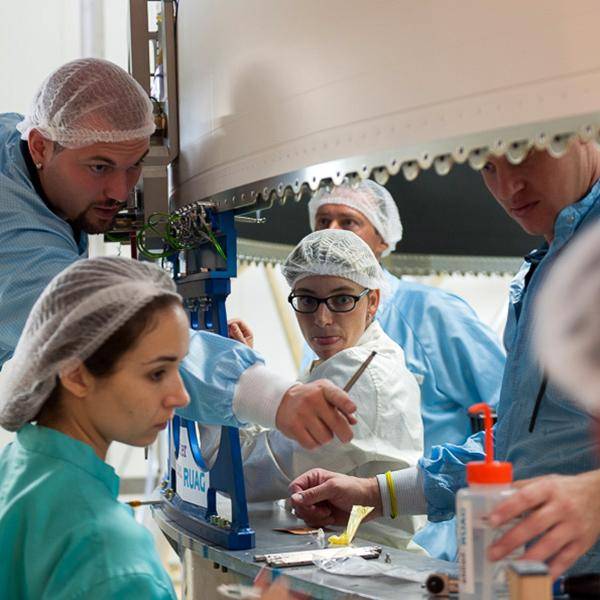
359	371
136	503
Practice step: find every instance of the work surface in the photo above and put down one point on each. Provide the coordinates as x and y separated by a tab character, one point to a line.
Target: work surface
319	584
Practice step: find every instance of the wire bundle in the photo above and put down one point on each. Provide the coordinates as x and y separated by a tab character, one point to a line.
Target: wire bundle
178	232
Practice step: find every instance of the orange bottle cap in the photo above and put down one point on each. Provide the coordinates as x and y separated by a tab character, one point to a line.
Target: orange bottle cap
492	472
489	471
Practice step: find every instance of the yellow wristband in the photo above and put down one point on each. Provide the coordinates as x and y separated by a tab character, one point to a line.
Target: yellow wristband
392	491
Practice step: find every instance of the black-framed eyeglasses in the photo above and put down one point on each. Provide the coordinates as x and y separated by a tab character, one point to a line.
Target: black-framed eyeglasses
339	303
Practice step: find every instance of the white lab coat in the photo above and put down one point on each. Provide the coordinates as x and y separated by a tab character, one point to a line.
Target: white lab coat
388	435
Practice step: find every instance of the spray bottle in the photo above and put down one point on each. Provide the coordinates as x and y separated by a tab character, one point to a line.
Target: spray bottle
489	484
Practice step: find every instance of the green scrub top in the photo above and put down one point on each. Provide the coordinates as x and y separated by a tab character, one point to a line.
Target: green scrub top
63	533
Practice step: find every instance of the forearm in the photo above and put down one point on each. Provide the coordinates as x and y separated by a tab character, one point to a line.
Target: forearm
229	385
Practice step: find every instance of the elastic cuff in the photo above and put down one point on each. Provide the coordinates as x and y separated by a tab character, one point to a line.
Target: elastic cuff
258	394
409	491
386	501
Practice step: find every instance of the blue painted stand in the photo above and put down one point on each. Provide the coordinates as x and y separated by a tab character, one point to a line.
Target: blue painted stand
205	294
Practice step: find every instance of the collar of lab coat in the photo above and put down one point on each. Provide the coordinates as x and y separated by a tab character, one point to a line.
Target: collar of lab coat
371	333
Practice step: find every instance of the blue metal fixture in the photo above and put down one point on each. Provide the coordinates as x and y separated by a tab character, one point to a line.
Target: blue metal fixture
203	275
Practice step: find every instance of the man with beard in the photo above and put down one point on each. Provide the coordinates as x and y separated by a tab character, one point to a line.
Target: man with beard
65	171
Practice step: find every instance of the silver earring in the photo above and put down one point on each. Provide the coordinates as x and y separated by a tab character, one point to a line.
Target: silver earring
38	166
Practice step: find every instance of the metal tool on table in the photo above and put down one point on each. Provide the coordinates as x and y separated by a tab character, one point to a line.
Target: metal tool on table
239	591
138	503
308	557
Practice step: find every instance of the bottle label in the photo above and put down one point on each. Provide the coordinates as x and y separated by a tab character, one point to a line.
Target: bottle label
498	568
465	547
479	577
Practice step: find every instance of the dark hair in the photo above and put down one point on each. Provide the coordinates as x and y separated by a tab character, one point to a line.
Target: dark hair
103	361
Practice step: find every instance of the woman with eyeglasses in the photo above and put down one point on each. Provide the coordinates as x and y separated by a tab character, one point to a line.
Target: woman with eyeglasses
336	284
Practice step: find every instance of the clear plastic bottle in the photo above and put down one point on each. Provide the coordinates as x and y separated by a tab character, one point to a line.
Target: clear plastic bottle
489	483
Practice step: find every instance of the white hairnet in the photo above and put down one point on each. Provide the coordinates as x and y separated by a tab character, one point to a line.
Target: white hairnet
337	253
372	200
76	313
87	101
567	327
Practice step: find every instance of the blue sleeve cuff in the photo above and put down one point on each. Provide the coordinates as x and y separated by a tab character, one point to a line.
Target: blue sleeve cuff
444	473
210	372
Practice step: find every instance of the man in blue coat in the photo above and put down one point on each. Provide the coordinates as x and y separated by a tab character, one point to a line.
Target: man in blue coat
65	171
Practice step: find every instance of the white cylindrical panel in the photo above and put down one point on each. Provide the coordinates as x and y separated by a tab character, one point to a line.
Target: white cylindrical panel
274	86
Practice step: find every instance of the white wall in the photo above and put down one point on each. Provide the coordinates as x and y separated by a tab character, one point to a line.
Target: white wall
253	301
38	36
488	295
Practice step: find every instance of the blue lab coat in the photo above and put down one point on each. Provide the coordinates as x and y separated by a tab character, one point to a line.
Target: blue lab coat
458	359
562	441
460	363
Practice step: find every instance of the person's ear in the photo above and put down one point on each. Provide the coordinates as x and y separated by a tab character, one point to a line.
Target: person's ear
380	247
77	380
373	297
40	148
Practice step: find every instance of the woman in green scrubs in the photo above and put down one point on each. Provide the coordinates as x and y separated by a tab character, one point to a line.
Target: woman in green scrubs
97	362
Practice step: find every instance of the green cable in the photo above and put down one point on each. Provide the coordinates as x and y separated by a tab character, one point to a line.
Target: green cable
112	238
141	246
217	246
168	237
151	225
